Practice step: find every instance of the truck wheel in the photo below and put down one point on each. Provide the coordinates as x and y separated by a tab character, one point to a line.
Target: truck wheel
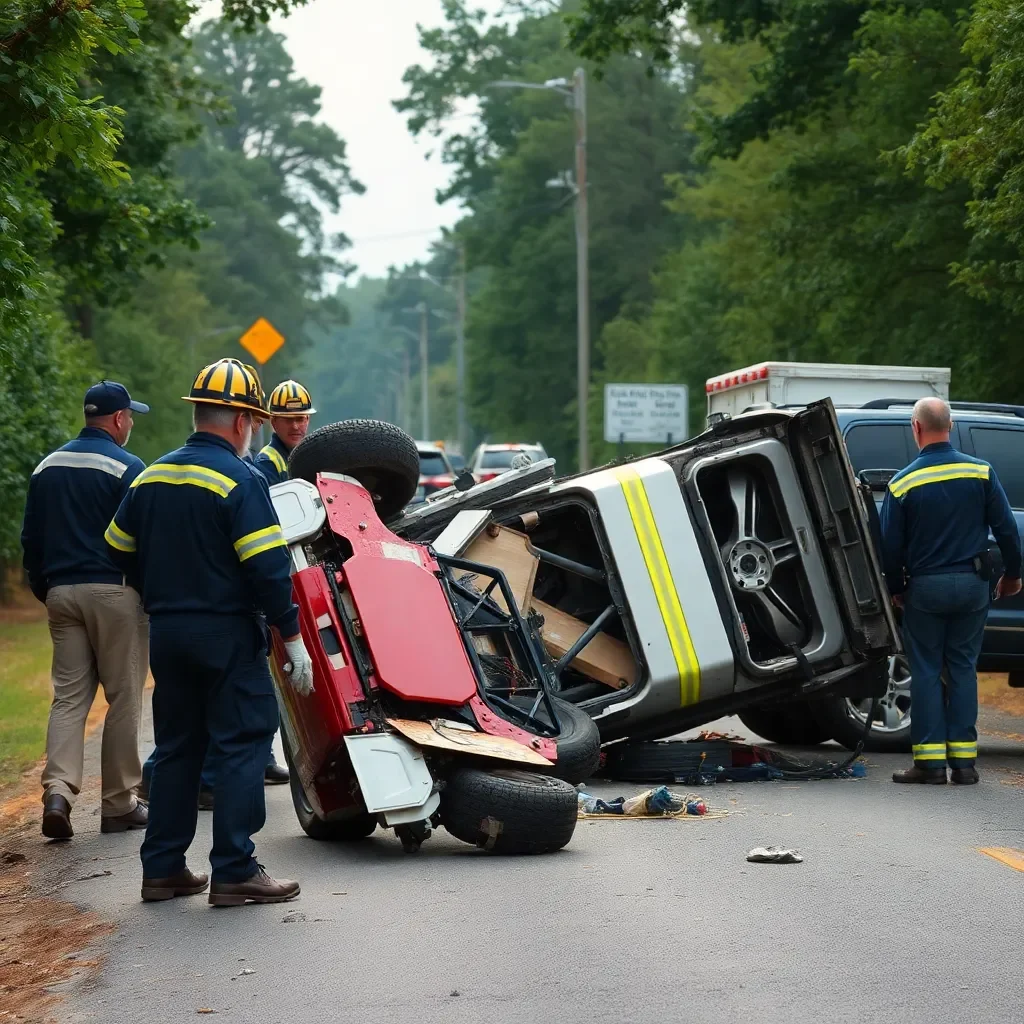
505	810
578	743
349	830
793	723
845	717
379	455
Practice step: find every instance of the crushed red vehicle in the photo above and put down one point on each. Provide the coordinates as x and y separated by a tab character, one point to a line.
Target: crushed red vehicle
429	704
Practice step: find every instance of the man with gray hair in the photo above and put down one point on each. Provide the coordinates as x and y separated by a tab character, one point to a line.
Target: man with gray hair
936	520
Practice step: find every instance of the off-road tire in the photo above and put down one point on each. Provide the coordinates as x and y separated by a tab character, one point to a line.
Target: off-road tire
348	830
578	744
505	810
382	457
793	723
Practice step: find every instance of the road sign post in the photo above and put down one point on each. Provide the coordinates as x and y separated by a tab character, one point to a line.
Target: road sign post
645	413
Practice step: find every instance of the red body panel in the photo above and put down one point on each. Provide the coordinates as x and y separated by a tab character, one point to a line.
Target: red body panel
405	618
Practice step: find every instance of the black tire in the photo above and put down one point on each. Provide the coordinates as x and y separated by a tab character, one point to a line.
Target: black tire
578	743
845	717
505	810
379	455
348	830
794	723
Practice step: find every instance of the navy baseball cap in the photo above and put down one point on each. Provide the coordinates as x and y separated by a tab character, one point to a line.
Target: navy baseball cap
108	397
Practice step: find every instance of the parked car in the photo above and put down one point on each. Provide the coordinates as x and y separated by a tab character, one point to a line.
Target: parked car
436	471
491	460
880	442
734	570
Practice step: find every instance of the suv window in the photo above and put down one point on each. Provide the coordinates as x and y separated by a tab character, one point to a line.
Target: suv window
502	457
432	464
879	445
1004	449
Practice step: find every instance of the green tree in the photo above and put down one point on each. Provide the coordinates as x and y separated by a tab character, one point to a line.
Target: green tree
519	231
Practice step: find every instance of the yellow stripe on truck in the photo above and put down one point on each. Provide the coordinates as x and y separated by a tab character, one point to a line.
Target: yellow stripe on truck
664	586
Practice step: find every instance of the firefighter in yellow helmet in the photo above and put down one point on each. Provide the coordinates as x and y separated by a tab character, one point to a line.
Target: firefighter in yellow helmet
198	531
290	408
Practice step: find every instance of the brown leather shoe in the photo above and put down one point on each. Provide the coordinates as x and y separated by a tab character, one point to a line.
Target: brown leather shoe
137	817
57	817
261	888
184	883
964	776
922	776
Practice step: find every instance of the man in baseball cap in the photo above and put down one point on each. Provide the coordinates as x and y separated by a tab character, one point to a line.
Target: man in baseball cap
100	634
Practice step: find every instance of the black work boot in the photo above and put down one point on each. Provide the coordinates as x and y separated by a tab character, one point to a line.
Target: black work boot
922	776
275	774
965	774
57	817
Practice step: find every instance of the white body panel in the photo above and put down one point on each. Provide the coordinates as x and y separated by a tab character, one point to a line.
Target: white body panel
391	771
299	509
789	384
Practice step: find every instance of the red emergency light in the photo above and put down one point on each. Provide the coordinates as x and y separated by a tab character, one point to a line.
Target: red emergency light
733	380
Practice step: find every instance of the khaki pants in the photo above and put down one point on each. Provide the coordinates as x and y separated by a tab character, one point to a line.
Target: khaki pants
100	636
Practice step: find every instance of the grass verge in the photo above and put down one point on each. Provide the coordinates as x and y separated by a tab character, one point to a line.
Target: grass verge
24	695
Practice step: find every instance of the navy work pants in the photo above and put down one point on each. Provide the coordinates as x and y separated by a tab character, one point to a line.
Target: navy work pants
943	626
213	690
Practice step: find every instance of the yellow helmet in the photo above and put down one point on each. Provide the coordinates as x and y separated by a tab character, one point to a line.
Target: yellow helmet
229	382
290	398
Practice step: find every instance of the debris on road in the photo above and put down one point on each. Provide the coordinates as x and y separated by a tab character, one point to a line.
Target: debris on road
651	803
293	917
774	855
715	757
244	971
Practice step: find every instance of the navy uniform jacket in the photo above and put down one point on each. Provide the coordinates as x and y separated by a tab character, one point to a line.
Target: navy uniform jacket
71	497
937	515
199	526
272	460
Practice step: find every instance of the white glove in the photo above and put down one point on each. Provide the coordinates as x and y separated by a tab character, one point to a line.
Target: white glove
299	666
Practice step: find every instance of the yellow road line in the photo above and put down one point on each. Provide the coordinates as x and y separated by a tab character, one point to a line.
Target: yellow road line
1011	858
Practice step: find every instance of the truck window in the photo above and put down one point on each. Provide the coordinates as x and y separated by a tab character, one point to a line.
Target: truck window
1004	449
879	445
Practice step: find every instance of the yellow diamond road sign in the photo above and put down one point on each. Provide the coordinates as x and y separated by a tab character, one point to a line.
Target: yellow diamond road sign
262	340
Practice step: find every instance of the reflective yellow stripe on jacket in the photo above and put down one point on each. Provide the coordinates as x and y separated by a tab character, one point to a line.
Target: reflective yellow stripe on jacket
197	476
938	474
118	539
259	541
275	457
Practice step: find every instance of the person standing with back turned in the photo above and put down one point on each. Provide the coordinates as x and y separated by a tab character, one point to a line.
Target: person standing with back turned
199	526
936	519
99	632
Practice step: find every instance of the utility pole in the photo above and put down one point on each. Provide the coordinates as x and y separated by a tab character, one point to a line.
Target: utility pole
460	353
575	93
424	370
579	93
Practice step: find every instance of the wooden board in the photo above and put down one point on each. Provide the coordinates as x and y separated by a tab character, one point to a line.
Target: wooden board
510	552
605	659
449	736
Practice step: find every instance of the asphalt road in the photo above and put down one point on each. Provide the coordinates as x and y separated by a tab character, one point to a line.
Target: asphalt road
895	915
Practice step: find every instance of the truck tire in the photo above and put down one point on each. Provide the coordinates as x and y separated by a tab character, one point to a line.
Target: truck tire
793	723
578	743
348	830
504	810
382	457
845	717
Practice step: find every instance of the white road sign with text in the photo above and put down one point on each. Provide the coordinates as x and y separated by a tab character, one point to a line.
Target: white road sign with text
645	413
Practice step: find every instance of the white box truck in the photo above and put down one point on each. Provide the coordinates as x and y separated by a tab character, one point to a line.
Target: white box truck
798	384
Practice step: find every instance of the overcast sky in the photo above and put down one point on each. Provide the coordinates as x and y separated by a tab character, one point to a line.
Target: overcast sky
357	52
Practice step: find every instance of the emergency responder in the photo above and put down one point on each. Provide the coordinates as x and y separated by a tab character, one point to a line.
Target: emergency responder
99	632
199	528
935	539
290	408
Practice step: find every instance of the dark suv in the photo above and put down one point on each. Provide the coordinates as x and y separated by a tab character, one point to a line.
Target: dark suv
878	438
